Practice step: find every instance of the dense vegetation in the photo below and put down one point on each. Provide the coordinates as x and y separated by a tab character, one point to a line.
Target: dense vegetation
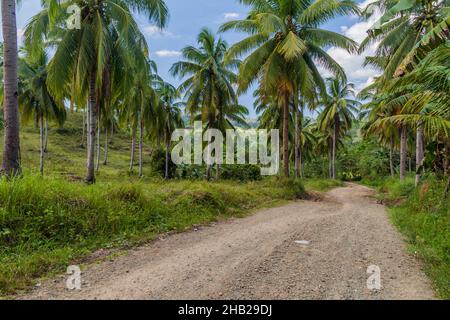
99	76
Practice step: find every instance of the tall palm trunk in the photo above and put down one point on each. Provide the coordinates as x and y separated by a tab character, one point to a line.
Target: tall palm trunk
403	151
166	175
208	172
83	134
41	143
330	161
446	152
97	165
133	147
105	160
419	152
141	139
11	149
391	157
45	134
335	133
92	109
286	135
297	145
111	139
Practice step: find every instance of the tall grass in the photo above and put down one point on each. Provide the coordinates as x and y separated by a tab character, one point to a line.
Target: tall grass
423	215
45	223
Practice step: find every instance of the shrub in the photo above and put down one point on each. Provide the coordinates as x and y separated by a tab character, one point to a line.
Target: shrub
245	172
158	163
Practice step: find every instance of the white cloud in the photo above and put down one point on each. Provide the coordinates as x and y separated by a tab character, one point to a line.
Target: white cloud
156	32
353	64
168	53
231	15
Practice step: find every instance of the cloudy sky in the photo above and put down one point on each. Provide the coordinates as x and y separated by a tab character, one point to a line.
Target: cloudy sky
188	17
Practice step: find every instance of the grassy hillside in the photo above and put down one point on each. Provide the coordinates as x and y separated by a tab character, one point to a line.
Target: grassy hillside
50	222
66	157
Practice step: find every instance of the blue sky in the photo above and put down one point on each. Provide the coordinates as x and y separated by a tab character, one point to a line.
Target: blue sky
187	17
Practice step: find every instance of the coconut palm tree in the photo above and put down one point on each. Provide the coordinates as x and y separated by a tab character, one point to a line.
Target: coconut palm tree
286	43
407	30
35	100
140	105
11	151
421	97
209	92
338	113
83	55
169	117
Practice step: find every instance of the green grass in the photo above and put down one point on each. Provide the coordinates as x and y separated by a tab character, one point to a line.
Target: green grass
50	222
423	216
321	184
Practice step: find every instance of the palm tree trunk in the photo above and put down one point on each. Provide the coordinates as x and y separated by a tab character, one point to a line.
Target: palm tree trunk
41	143
208	172
11	149
391	157
446	152
141	138
419	153
83	116
166	175
97	167
92	109
105	161
286	135
133	147
297	148
45	134
333	169
403	146
112	133
330	161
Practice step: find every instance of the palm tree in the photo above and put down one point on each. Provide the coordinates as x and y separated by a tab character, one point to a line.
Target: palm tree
405	33
35	98
11	151
421	97
140	103
338	112
83	56
286	43
170	117
209	92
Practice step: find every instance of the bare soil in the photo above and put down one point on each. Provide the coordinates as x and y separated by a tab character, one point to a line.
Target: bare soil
257	257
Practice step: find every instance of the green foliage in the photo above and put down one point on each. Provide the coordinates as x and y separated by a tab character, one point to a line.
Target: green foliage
322	184
425	220
350	176
365	158
246	172
158	163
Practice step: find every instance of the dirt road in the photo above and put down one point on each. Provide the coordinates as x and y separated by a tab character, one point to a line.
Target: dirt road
257	257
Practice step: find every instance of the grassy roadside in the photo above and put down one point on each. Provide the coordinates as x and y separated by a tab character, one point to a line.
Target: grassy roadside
48	223
423	216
